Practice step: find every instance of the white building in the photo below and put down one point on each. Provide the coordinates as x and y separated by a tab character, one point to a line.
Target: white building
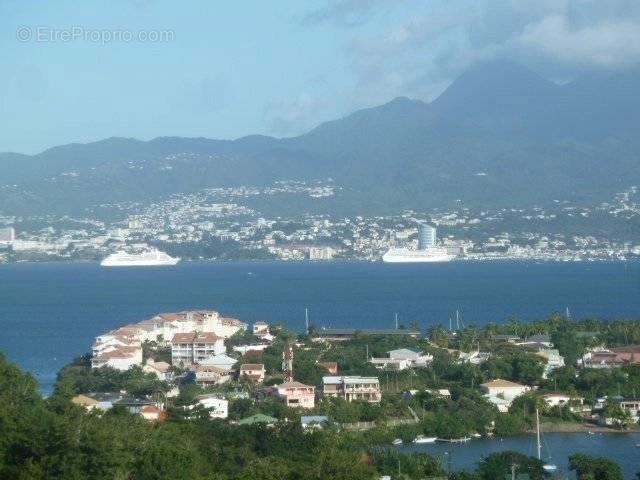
416	358
122	358
7	235
194	347
560	400
352	388
218	407
321	253
553	358
502	392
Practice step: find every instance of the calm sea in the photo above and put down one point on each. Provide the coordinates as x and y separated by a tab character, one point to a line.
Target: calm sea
50	313
557	447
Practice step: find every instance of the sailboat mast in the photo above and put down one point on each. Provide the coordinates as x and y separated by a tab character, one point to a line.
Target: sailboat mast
539	446
457	320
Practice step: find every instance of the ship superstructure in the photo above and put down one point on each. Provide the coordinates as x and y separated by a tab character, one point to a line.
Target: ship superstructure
427	250
147	258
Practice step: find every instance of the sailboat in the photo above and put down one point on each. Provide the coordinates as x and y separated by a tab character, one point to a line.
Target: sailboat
547	467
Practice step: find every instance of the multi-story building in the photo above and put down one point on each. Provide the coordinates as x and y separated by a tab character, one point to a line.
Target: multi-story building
296	394
121	358
194	347
253	371
366	389
7	235
207	375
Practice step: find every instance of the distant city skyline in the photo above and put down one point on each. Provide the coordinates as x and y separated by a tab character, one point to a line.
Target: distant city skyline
84	71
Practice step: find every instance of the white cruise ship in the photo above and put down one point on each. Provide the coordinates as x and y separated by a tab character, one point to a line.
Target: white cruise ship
427	250
147	258
404	255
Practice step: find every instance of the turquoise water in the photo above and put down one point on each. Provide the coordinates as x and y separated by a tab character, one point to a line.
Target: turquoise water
50	313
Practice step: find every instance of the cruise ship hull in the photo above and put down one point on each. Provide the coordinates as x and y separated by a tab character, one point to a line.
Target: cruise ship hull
138	263
148	259
402	255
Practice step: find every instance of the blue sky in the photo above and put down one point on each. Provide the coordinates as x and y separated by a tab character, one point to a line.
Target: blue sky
228	69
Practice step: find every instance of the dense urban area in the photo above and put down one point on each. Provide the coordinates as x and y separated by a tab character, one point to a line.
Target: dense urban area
197	395
227	223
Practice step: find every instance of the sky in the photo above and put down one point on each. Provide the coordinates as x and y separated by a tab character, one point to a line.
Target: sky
85	70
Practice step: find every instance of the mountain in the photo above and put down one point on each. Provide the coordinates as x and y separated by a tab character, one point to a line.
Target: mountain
500	135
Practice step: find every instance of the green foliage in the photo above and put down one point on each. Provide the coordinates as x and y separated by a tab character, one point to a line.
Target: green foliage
85	379
594	468
498	465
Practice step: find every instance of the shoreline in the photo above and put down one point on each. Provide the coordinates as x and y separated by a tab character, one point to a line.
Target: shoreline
335	261
568	427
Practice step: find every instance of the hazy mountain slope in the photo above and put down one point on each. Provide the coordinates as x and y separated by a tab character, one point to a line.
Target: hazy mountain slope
500	135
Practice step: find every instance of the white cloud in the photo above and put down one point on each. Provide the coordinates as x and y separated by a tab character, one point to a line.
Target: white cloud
609	44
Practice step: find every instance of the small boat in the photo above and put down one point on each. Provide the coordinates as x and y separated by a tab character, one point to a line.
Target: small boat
590	433
397	441
637	445
454	440
476	435
423	439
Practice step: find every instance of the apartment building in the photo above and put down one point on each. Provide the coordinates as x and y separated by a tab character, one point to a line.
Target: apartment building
194	347
365	389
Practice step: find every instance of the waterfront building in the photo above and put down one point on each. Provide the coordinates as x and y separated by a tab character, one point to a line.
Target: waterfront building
426	236
351	388
195	347
576	404
296	394
321	253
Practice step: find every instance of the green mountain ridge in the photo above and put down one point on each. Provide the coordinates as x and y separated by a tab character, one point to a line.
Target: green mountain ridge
533	141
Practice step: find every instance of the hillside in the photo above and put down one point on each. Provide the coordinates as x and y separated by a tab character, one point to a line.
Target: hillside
531	140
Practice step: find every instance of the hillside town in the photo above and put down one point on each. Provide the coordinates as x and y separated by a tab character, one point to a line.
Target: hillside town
206	365
229	224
